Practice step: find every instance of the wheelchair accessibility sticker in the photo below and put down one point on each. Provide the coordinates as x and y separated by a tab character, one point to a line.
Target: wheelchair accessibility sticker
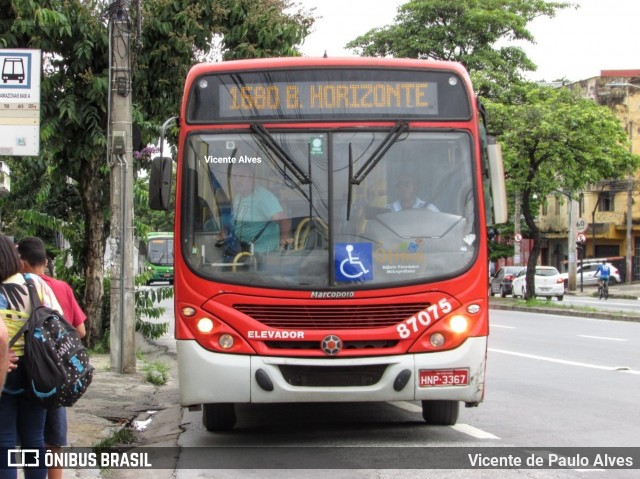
353	261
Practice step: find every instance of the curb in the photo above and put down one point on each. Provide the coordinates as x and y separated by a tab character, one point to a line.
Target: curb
568	311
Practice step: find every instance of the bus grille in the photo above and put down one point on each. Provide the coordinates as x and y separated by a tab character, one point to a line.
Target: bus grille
332	376
316	346
331	317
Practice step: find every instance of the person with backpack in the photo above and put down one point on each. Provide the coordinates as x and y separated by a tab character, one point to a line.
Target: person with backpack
4	353
603	273
33	254
23	415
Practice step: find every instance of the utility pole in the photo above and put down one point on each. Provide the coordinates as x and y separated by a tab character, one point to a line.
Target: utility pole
571	244
122	341
629	236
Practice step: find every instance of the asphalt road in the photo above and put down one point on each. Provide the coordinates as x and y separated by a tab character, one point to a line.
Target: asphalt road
552	381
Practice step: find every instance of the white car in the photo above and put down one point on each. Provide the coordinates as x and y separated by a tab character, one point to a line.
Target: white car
588	274
548	282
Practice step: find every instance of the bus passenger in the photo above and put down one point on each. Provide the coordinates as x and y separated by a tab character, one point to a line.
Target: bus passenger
408	196
259	217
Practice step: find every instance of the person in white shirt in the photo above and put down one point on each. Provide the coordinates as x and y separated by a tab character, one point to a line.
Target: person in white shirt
408	198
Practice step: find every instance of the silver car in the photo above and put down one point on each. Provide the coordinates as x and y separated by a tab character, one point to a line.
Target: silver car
587	274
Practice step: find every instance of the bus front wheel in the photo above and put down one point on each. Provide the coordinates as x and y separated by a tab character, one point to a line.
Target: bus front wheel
218	417
440	413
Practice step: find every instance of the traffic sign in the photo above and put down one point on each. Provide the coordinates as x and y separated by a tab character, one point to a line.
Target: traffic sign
518	237
582	238
582	225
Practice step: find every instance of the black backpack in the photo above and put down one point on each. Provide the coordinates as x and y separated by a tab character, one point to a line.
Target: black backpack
56	361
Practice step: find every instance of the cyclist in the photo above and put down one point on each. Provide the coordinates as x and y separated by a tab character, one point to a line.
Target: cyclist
604	272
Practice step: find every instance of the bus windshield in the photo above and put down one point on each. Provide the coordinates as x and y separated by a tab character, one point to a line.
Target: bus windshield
160	251
364	208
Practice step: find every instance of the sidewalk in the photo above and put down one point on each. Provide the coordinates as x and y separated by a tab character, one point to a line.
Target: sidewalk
115	401
622	290
618	291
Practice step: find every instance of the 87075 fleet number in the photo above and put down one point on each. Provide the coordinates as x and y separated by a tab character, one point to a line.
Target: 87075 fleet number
418	322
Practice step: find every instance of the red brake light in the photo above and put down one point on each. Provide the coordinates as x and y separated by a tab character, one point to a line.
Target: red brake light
560	280
509	277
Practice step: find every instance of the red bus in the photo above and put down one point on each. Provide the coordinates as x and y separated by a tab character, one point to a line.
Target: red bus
331	234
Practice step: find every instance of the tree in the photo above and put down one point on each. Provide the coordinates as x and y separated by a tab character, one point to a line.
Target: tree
474	32
555	140
169	36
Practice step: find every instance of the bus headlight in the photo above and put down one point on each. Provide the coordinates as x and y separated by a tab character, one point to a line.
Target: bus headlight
205	325
436	340
458	324
226	341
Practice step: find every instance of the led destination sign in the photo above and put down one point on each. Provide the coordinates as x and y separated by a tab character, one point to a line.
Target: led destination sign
382	97
327	94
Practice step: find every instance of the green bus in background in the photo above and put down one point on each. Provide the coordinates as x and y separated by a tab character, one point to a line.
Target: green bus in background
159	257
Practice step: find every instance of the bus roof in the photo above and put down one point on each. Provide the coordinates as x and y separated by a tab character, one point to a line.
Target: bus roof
327	89
320	62
160	234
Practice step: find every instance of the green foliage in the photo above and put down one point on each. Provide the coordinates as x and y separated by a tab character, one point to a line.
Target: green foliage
477	33
554	140
156	372
262	29
500	244
168	36
146	308
118	437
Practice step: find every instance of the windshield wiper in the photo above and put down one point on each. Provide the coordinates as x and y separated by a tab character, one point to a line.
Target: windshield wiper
282	155
399	128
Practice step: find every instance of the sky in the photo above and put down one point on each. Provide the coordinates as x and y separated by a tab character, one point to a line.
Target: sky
576	44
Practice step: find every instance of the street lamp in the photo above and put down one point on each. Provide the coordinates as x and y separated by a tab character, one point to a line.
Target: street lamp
629	267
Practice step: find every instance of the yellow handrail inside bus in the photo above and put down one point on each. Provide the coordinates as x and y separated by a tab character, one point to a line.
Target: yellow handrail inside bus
239	256
302	231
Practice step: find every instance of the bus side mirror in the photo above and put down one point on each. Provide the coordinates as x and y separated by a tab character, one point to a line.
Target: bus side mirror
160	183
498	213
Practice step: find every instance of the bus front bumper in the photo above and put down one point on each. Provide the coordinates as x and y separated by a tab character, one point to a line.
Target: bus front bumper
207	377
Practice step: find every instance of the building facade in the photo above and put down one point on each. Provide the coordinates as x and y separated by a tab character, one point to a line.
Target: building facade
609	211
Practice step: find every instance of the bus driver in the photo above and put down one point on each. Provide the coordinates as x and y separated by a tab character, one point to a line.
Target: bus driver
408	196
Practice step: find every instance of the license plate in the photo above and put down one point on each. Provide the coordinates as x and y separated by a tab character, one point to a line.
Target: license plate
443	377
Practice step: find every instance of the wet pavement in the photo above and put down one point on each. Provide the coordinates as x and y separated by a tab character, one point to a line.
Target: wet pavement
116	401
